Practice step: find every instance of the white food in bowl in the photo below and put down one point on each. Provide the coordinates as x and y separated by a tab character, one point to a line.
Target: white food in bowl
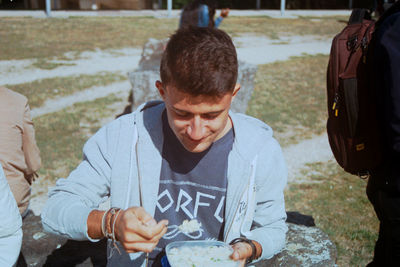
201	256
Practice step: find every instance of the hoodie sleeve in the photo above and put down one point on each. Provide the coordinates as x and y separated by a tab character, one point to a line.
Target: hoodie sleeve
269	227
72	199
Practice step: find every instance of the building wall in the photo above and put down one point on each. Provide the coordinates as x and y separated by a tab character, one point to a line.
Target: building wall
125	4
88	4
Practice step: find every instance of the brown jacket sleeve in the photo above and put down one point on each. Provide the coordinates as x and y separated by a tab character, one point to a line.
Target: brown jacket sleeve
31	151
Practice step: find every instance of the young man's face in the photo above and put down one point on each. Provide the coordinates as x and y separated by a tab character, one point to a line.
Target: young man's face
197	121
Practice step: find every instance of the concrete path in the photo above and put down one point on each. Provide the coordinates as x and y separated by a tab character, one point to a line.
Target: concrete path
90	94
306	152
89	62
261	50
250	48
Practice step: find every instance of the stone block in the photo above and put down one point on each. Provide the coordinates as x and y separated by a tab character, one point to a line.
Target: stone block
305	246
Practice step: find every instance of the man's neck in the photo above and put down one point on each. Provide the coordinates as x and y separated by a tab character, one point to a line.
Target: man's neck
226	129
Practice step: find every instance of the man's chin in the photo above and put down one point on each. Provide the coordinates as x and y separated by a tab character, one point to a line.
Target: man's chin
196	148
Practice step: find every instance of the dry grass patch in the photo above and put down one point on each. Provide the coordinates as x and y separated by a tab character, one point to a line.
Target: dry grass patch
340	207
52	37
61	135
290	96
325	27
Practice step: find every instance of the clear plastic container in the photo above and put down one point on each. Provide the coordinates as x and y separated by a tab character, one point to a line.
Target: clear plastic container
200	254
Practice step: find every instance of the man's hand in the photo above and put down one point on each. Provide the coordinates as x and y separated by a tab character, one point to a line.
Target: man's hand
137	231
241	251
224	12
134	228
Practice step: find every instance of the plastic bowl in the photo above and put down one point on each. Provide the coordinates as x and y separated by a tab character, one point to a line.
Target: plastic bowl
200	254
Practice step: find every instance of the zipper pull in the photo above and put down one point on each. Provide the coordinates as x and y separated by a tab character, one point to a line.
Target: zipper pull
364	46
335	105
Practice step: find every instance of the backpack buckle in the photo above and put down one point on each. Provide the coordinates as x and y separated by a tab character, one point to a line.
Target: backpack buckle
352	42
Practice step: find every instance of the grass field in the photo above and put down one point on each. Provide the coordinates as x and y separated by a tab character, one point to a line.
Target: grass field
61	135
41	90
339	205
294	107
288	95
49	38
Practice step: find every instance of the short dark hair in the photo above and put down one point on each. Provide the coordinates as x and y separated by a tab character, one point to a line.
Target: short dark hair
200	61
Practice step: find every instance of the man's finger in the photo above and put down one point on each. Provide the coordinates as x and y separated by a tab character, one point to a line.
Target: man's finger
149	232
134	237
143	247
141	214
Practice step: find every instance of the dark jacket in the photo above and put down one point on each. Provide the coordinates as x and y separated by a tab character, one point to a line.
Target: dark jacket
387	67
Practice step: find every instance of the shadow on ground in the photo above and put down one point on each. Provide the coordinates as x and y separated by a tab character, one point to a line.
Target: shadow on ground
43	249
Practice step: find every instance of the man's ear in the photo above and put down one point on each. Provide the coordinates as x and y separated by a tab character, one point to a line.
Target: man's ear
160	88
235	90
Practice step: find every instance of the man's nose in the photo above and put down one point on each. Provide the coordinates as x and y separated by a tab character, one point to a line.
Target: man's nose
196	129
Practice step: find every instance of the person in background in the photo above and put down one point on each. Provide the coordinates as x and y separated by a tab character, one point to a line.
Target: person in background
19	153
10	225
201	13
383	188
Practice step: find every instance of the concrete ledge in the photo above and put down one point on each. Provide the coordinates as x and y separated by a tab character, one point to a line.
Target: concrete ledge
305	246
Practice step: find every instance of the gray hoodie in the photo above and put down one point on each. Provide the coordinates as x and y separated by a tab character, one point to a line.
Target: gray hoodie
123	161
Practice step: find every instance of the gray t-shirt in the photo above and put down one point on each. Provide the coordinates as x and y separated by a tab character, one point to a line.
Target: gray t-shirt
192	186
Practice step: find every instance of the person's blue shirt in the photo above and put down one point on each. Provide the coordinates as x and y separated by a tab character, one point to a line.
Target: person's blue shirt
204	17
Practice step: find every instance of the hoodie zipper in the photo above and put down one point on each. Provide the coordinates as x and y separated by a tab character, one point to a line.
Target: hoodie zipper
237	208
140	191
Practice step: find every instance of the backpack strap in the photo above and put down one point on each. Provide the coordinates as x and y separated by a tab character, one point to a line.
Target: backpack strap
358	15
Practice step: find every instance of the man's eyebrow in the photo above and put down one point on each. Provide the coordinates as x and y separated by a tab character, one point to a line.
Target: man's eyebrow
214	112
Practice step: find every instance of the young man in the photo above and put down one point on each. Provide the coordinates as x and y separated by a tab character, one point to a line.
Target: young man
186	158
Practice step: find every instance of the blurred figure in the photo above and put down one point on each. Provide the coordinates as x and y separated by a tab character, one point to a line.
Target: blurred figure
201	13
383	188
10	226
19	153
